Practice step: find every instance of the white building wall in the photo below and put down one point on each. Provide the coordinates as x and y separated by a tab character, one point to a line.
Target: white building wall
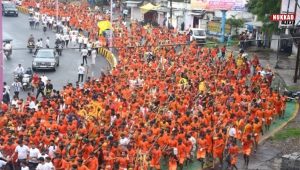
237	14
136	14
160	18
188	20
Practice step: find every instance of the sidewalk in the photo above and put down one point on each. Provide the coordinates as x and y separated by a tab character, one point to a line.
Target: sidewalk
286	63
267	156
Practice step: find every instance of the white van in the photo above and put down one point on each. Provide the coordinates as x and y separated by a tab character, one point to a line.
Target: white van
198	34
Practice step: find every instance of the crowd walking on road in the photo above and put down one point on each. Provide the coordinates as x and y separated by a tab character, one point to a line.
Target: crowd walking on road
162	102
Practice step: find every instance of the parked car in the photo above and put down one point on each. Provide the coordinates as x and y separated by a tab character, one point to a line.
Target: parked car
9	9
45	59
198	35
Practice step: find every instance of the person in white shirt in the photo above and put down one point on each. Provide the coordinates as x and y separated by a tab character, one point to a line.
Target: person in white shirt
2	164
57	36
73	37
85	41
52	149
124	141
42	165
19	70
24	166
7	49
89	48
17	86
49	163
6	87
44	79
33	156
97	45
84	54
93	56
38	46
36	21
232	132
81	71
47	42
80	42
7	46
41	43
193	141
22	152
43	154
66	39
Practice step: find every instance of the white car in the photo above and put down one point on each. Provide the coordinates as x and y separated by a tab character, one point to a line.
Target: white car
197	34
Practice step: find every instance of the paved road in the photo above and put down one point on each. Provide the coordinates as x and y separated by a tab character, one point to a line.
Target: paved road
18	29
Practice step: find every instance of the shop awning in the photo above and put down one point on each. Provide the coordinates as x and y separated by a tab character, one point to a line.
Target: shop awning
148	7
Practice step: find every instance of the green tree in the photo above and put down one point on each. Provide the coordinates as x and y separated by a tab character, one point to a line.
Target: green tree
235	23
263	9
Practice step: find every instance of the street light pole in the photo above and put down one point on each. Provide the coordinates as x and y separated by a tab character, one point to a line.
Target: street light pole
171	11
1	56
277	54
111	21
56	12
297	64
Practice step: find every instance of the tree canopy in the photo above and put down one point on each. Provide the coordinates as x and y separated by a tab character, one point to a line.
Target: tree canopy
263	9
235	23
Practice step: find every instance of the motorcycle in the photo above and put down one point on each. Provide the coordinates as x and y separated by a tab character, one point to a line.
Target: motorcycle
31	46
292	95
7	53
27	78
18	76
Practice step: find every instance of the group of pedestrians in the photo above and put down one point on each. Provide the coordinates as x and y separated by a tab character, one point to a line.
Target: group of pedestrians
181	105
41	84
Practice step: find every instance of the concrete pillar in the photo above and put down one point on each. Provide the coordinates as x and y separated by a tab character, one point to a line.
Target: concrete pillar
223	23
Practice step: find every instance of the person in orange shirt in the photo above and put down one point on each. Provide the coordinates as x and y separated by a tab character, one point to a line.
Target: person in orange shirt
201	149
182	153
257	130
81	166
123	161
218	148
247	144
173	162
155	157
233	153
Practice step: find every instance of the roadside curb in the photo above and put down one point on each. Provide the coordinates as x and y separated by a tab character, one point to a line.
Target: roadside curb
109	56
267	136
23	10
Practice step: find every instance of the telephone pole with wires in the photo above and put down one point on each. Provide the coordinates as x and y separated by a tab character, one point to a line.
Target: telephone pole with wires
1	55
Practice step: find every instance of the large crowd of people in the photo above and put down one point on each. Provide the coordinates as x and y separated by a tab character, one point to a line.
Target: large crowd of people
163	101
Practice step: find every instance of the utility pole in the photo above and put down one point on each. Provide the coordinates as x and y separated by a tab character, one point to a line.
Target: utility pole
111	22
1	56
56	12
297	63
171	11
